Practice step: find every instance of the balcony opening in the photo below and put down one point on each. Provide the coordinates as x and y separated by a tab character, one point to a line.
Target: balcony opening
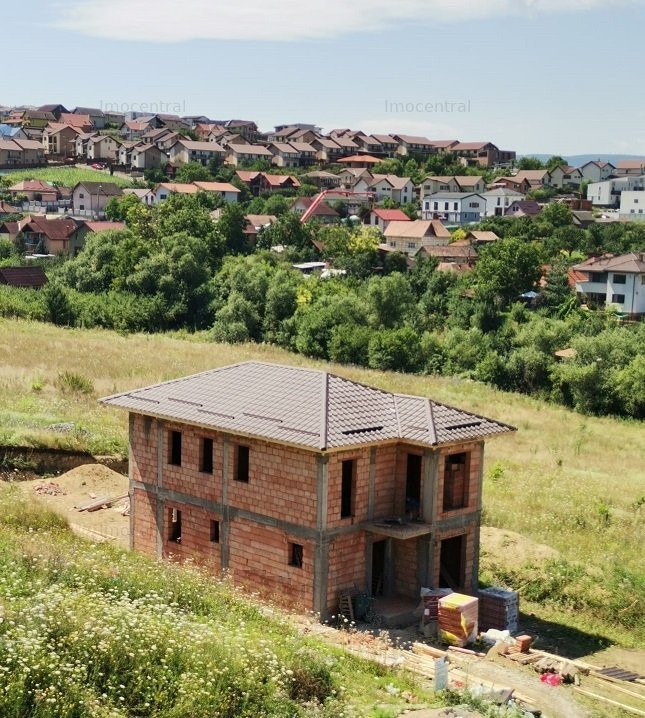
378	567
413	487
452	562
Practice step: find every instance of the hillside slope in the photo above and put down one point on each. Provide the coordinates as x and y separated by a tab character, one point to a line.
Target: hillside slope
572	482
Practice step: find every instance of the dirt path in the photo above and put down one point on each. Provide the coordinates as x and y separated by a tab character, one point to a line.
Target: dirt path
80	486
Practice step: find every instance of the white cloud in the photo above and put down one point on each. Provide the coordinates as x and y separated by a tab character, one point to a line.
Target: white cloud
283	20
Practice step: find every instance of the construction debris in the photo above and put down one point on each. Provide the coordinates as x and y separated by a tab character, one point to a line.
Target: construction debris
105	502
49	488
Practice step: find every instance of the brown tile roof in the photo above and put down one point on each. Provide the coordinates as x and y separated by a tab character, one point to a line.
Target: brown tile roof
70	118
467	146
178	187
451	250
322	210
304	407
102	226
417	229
54	229
30	277
630	164
414	140
109	189
391	215
6	208
248	175
32	186
216	187
367	159
631	262
483	236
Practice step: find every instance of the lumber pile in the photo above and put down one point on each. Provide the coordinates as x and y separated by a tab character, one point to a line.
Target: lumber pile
458	619
499	608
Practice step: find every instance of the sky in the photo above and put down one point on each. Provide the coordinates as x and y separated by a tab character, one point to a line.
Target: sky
535	76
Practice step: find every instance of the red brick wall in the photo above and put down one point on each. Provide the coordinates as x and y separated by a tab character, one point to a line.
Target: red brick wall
346	566
405	568
282	483
361	486
195	536
473	497
143	446
143	514
385	481
259	560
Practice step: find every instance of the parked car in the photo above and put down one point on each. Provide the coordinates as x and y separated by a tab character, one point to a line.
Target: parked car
98	166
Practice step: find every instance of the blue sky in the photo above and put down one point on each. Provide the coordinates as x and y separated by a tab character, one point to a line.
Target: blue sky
546	76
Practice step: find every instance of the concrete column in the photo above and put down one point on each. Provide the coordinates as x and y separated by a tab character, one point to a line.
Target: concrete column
423	562
131	419
226	513
369	546
322	491
371	487
388	582
321	571
159	499
430	484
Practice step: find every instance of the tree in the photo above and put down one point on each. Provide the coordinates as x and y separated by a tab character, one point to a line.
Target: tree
507	269
557	213
390	300
57	304
117	207
530	163
154	175
555	161
556	290
192	172
395	350
288	231
230	229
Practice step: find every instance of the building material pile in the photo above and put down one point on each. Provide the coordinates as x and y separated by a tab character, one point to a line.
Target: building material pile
49	488
499	608
458	619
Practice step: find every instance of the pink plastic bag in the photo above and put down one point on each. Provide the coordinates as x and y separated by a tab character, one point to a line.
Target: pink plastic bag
551	679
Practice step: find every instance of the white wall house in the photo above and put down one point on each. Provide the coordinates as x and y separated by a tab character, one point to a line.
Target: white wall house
565	176
498	200
597	171
454	207
614	281
607	193
632	206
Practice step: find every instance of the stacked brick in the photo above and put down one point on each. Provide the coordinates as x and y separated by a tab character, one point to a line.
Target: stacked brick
458	619
498	608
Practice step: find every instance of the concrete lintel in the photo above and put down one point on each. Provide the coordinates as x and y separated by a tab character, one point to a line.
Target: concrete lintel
322	490
465	521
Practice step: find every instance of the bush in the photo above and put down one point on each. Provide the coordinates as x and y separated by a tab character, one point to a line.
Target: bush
73	383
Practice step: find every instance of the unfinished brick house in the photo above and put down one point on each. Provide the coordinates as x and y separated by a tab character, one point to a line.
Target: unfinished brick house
303	484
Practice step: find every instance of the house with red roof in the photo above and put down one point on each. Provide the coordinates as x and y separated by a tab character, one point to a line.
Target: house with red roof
360	161
381	218
323	212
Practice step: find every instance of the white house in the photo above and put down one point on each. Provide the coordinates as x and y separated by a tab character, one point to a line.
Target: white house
614	281
597	171
454	207
607	193
184	151
565	176
398	189
225	190
499	199
632	206
381	218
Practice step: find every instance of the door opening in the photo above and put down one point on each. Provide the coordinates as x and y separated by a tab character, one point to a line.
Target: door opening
378	567
451	563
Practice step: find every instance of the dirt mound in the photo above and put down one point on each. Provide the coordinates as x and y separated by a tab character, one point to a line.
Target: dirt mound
80	486
510	548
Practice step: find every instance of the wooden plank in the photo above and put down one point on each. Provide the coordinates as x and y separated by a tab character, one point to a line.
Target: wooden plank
614	684
629	709
102	502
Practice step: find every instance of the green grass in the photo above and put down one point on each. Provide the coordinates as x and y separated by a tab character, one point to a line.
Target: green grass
573	482
67	176
90	631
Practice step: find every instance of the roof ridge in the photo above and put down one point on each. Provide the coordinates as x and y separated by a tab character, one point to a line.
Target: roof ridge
324	418
431	426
